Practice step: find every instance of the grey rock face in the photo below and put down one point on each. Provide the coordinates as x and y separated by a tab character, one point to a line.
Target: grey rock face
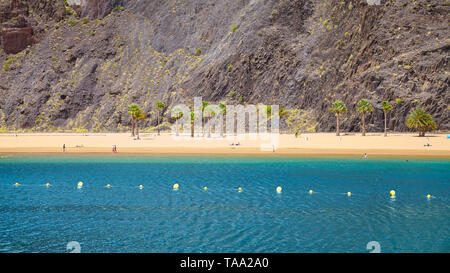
300	54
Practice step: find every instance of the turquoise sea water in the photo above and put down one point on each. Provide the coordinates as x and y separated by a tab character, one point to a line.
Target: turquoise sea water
124	218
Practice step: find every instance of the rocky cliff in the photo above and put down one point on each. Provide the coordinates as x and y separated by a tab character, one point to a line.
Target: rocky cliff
77	64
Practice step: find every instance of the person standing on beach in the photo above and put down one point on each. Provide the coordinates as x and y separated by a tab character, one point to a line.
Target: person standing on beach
64	147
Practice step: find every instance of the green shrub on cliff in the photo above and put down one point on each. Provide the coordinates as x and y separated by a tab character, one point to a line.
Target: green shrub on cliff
7	64
6	67
72	22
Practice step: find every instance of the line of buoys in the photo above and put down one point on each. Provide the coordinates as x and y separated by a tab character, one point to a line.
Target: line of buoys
279	189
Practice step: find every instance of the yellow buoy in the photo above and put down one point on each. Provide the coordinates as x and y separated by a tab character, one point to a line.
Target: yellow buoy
310	191
141	187
47	185
392	193
239	189
428	196
108	186
80	184
205	188
17	184
279	189
176	186
349	193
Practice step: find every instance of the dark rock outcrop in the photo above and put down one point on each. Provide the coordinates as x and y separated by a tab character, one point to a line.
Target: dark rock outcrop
16	40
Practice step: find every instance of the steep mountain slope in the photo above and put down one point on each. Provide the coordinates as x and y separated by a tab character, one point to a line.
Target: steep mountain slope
79	66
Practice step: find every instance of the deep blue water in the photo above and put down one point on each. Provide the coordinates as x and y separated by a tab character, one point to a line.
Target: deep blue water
124	218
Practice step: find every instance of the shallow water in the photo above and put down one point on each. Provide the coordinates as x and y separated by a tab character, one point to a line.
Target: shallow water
123	218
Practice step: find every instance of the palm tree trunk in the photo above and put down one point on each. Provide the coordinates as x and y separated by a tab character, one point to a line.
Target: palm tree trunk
364	125
158	124
176	124
209	128
203	126
132	127
192	129
137	128
385	123
337	125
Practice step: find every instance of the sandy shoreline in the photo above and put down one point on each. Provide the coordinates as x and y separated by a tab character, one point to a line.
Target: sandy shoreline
319	144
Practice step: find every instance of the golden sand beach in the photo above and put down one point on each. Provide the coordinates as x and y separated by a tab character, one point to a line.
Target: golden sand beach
315	144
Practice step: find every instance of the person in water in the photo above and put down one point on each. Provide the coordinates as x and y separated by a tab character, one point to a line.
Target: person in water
366	156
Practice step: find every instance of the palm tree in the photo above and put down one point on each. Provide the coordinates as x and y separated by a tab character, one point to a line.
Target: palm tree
282	112
338	108
386	106
268	116
209	113
362	107
422	121
177	113
223	111
140	115
159	105
133	109
269	110
204	105
193	119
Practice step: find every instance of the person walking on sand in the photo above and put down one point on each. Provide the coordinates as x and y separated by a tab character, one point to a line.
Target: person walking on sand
64	148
